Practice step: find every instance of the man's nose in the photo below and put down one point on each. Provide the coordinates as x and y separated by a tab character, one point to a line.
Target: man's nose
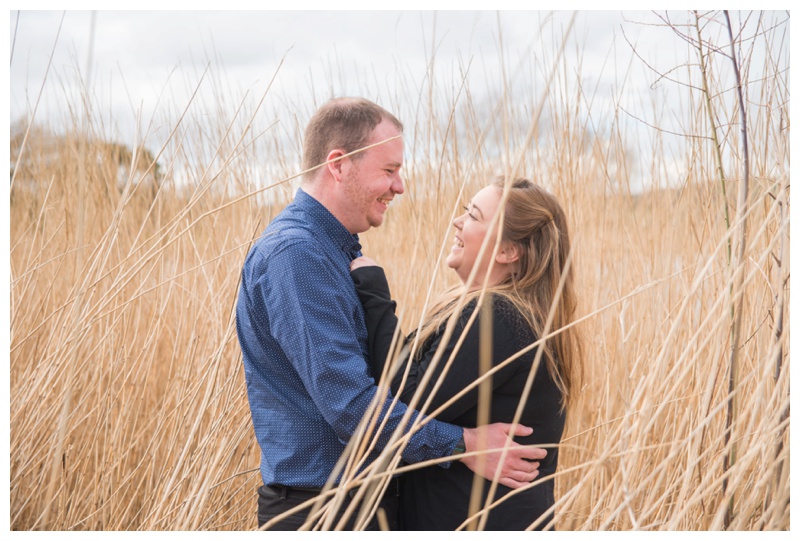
397	184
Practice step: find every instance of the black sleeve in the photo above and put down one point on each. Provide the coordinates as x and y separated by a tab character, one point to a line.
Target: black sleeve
379	308
465	368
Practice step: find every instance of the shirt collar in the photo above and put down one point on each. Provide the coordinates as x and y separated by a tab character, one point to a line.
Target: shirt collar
325	222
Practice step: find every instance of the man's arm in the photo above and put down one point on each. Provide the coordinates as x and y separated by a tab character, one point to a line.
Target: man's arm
317	332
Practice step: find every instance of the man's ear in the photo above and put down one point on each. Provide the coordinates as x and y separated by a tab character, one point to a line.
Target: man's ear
336	164
508	253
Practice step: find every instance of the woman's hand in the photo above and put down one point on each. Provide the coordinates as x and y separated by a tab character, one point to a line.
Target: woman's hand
362	261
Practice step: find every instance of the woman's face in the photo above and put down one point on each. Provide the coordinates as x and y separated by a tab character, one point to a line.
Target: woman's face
471	230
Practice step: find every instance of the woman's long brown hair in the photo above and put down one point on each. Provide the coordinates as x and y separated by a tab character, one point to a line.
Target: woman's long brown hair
535	223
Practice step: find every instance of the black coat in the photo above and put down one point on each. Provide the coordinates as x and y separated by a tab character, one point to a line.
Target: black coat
437	498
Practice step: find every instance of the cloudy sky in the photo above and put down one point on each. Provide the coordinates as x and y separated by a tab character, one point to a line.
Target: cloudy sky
131	57
143	66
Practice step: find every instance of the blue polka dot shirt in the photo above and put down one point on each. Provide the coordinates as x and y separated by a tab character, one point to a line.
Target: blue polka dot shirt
304	344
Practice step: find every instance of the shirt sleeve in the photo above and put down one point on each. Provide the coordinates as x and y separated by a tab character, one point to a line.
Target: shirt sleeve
319	337
379	314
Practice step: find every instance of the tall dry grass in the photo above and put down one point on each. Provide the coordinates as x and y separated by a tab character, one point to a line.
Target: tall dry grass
128	407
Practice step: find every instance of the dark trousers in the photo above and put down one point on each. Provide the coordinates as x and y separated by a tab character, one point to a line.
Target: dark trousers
274	500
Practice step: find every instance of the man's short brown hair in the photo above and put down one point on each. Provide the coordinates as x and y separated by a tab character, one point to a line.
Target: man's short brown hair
344	123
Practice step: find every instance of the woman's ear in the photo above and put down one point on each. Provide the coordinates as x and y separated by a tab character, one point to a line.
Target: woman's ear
508	253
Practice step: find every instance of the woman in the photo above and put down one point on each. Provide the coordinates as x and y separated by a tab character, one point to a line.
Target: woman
522	288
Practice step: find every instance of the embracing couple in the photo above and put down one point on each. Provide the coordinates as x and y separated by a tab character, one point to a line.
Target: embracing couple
315	321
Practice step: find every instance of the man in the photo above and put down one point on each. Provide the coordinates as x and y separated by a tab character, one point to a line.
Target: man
301	326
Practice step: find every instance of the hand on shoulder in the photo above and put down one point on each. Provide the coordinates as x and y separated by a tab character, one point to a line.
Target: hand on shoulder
362	261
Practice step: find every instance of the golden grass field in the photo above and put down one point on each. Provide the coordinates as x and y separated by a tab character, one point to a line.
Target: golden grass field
128	408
